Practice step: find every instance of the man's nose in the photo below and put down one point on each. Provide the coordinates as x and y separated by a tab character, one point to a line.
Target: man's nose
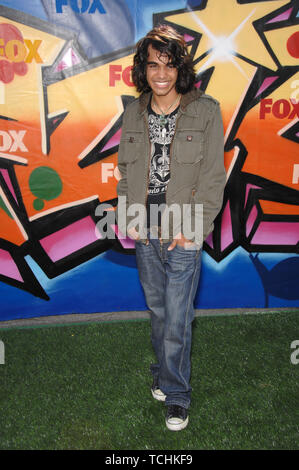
162	72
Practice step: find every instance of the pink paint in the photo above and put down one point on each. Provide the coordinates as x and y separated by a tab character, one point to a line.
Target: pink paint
69	60
248	188
283	16
266	83
70	239
98	233
251	219
226	228
126	242
188	38
115	139
8	267
209	240
8	182
277	233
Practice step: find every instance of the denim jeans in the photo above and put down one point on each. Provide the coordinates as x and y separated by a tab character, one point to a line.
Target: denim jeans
169	280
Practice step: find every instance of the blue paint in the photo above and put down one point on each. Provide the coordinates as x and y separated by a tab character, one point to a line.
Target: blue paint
110	283
94	30
143	11
282	280
31	7
194	3
86	6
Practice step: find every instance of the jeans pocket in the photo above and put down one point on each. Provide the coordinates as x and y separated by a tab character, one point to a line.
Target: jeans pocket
188	247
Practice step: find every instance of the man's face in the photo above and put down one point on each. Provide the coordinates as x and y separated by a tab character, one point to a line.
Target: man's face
161	74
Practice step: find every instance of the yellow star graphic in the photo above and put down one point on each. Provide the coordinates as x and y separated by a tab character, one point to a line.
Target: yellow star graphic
227	29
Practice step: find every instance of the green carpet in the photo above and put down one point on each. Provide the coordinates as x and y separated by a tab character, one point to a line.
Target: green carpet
88	386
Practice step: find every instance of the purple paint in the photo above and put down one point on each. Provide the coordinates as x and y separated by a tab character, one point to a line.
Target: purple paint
282	17
266	83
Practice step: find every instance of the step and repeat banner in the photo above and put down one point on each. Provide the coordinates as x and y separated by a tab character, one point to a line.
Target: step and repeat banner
65	80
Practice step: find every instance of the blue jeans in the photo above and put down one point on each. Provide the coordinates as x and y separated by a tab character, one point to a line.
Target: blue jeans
170	280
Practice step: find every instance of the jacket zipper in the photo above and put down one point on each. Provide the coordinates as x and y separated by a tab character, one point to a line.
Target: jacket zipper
148	161
170	155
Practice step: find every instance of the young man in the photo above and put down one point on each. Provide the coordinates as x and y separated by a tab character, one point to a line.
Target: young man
170	156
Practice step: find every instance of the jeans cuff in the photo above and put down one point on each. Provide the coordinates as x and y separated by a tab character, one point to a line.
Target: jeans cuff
177	402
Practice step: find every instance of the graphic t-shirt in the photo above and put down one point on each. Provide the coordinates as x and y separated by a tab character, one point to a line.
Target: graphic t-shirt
159	172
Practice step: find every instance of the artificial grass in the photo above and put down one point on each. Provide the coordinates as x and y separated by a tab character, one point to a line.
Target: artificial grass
88	387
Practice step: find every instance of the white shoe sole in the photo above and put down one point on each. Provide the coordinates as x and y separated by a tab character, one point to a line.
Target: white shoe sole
177	425
158	396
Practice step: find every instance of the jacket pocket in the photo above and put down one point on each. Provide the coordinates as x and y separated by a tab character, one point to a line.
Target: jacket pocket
132	145
188	146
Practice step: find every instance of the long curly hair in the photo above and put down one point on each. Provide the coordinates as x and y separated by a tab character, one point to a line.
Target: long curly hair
167	41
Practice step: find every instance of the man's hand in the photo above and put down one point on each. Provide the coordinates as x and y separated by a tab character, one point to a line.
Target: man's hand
180	240
132	232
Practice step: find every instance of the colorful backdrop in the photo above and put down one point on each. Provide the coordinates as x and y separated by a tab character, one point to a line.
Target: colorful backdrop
65	80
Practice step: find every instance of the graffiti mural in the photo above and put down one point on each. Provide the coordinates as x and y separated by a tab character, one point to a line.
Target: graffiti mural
64	84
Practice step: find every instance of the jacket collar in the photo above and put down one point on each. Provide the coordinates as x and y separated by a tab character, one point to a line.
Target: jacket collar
186	99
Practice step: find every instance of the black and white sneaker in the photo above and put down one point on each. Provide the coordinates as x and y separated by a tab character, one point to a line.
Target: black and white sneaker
176	418
156	392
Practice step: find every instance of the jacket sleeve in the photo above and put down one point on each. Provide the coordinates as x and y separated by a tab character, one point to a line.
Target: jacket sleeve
122	185
212	175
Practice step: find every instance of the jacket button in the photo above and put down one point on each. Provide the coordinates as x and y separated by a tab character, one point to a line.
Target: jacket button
131	140
189	138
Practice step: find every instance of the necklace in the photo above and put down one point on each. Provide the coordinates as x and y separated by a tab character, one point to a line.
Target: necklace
162	118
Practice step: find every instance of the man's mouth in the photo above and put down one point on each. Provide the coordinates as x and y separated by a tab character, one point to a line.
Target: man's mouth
161	84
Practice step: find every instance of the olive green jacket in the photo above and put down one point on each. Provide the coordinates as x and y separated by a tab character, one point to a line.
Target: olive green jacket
197	174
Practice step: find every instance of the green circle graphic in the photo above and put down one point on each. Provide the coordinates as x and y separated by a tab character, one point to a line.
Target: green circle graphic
45	183
38	204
